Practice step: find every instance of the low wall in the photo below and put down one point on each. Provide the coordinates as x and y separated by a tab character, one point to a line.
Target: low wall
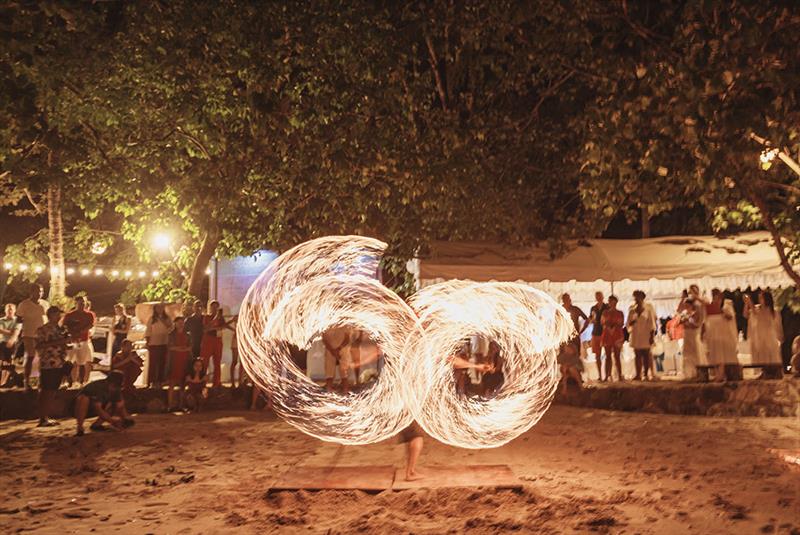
21	405
741	398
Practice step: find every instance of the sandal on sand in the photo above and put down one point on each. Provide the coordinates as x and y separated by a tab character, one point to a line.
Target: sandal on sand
98	428
47	423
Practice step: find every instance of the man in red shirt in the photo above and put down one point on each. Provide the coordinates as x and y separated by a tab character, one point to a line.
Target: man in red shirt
79	323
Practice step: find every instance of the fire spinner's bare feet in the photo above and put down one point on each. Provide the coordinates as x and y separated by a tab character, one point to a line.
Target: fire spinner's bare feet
414	476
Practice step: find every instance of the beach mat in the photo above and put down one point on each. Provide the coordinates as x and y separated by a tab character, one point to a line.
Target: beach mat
441	477
377	478
369	478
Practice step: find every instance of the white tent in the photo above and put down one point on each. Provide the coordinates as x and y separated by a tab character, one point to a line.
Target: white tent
661	267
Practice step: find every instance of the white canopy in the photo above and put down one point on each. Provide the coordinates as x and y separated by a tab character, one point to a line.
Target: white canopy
661	267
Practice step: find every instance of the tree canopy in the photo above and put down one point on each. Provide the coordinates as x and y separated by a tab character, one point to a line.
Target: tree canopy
240	125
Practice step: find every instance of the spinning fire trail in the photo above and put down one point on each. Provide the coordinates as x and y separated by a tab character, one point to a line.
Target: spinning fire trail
332	282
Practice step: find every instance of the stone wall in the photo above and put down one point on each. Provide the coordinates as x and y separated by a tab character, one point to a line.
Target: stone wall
742	398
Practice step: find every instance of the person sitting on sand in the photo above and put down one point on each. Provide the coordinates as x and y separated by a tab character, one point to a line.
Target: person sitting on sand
105	397
129	363
196	385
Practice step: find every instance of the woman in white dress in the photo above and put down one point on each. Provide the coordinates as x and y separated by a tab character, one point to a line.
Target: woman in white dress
692	320
720	333
764	330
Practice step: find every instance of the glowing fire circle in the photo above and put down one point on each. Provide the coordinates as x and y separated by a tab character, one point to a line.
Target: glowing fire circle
332	282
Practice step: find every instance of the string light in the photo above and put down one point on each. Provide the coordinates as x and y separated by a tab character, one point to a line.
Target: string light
115	273
23	267
8	266
85	271
128	273
208	271
766	157
154	274
98	271
38	269
70	271
142	274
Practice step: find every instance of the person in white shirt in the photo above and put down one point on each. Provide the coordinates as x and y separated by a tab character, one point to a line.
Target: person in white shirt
32	312
642	328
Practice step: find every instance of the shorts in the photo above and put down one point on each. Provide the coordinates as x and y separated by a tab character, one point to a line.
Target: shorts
597	344
30	346
82	353
411	432
50	379
6	353
331	362
570	354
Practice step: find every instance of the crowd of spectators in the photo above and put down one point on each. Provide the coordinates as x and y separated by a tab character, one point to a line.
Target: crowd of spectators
182	351
706	325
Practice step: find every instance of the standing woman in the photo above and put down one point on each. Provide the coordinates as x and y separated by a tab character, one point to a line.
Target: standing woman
122	325
764	330
720	333
642	327
692	320
613	336
211	345
157	337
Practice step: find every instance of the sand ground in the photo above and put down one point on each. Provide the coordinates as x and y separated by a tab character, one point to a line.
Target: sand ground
583	471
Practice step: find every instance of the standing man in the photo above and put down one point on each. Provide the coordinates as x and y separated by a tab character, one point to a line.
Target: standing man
642	327
32	313
596	319
51	342
79	322
193	325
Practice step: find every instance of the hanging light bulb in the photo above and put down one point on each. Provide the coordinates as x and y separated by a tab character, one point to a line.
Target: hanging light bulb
766	157
99	248
23	267
8	266
128	273
85	271
155	273
115	273
98	271
142	274
70	271
38	269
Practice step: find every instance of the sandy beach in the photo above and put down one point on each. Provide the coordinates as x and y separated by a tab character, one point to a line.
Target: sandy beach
583	471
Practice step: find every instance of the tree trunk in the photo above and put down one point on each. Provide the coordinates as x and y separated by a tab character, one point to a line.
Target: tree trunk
776	236
645	221
196	278
55	230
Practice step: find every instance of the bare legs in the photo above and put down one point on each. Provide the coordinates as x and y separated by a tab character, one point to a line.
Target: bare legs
568	371
414	449
613	355
171	396
81	409
46	398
